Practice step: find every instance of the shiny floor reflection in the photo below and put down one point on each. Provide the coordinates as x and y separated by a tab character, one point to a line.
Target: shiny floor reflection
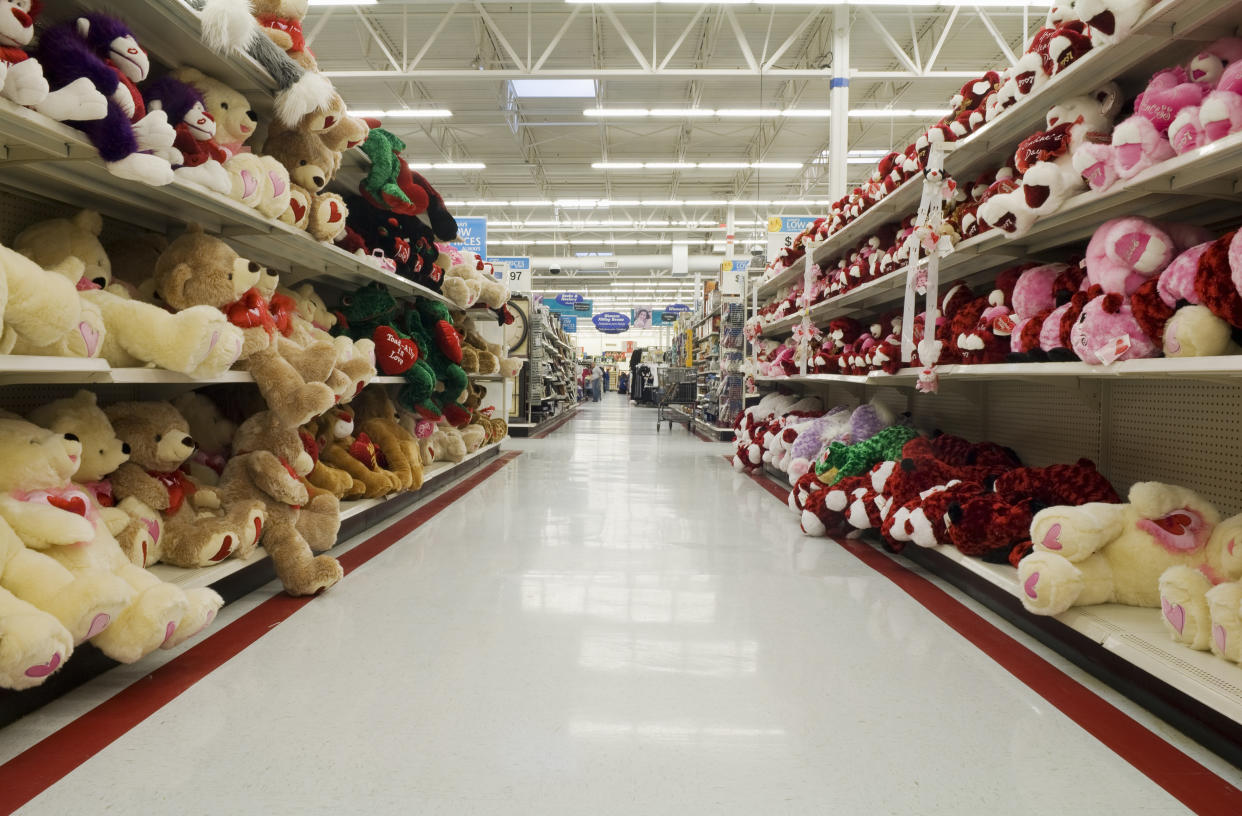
615	623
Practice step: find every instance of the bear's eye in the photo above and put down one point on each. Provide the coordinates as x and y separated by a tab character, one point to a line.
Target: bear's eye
101	451
224	106
302	162
230	276
158	437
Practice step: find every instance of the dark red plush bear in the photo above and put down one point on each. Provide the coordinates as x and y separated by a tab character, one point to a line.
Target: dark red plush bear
1214	281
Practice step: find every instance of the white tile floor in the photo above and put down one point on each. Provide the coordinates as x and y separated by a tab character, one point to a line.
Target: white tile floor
615	623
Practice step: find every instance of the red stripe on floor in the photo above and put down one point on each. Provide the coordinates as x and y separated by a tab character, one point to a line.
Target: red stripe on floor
42	765
1188	781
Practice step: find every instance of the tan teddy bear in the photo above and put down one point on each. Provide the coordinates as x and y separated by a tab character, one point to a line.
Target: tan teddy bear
199	528
213	436
377	416
259	182
318	434
157	614
311	166
268	465
197	270
352	450
312	320
198	342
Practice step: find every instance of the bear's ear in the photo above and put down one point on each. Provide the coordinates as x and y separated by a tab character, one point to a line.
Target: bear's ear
172	290
89	220
86	397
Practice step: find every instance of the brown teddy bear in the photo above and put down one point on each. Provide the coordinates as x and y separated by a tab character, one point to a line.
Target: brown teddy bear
317	435
311	166
478	356
377	417
268	465
197	269
310	321
199	529
354	452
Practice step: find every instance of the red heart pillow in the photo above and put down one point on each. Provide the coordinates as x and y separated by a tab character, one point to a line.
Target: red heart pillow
394	354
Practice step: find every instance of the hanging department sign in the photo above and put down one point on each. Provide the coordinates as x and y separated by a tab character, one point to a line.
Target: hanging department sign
611	322
569	323
677	307
472	235
572	304
568	298
518	276
783	229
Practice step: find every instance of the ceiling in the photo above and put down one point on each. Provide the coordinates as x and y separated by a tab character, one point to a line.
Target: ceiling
460	56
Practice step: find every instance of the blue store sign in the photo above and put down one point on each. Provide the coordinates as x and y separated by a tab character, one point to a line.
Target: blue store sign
677	307
472	235
611	322
569	323
568	298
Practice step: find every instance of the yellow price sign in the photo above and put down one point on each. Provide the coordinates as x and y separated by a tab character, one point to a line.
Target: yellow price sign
774	224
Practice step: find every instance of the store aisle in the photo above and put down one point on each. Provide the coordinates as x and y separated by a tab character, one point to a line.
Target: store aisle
614	623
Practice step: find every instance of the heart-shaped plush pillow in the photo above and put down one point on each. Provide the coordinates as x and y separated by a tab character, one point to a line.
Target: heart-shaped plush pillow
394	354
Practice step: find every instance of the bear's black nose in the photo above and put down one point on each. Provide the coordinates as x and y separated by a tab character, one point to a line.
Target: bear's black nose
71	437
188	441
253	267
125	448
252	116
318	181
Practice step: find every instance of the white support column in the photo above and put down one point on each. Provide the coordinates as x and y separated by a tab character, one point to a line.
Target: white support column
839	102
729	233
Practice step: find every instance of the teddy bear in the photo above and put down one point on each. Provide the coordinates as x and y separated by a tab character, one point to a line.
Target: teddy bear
1110	20
318	434
351	449
1045	161
1116	553
198	270
198	529
281	22
22	79
1169	310
1217	70
267	466
377	417
199	342
157	614
1200	604
36	644
311	167
104	50
310	322
213	436
39	466
1141	141
199	159
40	308
259	182
466	283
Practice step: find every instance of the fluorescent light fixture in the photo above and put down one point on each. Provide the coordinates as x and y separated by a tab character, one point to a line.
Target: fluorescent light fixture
761	113
448	166
671	202
342	2
403	113
660	165
873	3
897	113
552	88
878	153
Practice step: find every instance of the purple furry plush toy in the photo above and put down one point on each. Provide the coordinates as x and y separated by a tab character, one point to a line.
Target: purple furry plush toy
815	439
104	50
200	160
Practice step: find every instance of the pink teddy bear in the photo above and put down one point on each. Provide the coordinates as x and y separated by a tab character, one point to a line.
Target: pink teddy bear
1218	70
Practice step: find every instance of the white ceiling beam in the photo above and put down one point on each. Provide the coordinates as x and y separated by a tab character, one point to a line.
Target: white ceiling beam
914	41
996	35
889	41
944	35
626	38
499	35
396	64
777	74
791	39
684	33
556	39
319	24
422	52
741	39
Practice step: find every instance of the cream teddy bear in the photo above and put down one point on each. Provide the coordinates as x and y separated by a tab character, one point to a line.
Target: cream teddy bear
312	320
1116	553
465	281
199	342
44	509
157	614
33	643
41	308
1201	606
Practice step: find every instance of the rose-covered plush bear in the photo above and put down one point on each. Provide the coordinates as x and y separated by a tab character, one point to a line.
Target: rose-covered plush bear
157	614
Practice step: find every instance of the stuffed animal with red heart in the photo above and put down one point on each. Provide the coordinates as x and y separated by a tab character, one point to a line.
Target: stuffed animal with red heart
395	354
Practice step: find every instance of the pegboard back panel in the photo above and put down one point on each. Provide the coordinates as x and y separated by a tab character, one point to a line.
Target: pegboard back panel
957	409
1187	433
1045	424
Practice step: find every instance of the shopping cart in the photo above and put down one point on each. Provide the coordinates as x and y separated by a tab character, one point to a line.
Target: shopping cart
677	388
